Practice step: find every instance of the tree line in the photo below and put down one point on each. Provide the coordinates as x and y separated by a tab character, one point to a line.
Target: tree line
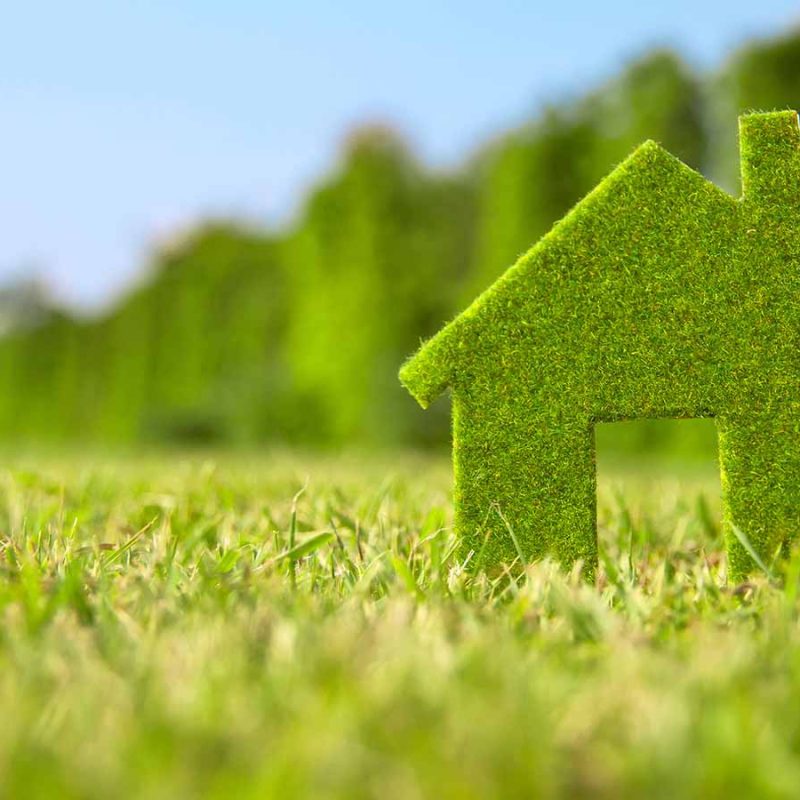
245	336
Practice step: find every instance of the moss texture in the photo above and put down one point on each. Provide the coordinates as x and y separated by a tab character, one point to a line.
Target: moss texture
659	295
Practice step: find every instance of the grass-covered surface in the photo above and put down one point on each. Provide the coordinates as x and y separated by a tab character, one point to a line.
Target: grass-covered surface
657	296
178	627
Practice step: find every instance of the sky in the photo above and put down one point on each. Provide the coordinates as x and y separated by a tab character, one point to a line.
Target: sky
123	123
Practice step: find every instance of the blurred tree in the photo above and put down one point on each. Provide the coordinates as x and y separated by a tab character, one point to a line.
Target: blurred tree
24	304
190	355
220	311
527	181
375	264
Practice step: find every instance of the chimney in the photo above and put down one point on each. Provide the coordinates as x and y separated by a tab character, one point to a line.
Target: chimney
769	146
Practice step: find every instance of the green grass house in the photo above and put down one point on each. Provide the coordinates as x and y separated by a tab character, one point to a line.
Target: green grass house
658	295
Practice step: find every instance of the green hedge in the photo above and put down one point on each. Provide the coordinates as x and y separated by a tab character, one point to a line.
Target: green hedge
239	335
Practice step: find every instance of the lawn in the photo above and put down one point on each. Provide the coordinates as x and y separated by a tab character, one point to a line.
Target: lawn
220	626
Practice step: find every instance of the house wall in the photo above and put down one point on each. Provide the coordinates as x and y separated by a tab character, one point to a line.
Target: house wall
524	482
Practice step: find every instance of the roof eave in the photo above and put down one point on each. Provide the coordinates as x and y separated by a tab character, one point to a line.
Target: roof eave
429	371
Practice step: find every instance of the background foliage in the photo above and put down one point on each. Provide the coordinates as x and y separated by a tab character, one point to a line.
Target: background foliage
244	336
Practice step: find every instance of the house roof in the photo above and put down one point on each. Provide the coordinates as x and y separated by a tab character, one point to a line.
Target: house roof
651	194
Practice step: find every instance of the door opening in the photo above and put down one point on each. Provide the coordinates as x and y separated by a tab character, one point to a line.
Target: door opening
658	489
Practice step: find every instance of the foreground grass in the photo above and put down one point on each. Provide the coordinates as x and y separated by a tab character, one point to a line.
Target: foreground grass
193	627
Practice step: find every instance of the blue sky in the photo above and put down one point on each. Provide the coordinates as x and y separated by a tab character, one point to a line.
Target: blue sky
121	122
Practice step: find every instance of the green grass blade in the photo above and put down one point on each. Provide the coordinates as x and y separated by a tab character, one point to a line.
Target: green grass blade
306	547
405	574
745	542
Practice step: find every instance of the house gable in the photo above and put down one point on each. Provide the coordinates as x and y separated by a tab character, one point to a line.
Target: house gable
634	198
